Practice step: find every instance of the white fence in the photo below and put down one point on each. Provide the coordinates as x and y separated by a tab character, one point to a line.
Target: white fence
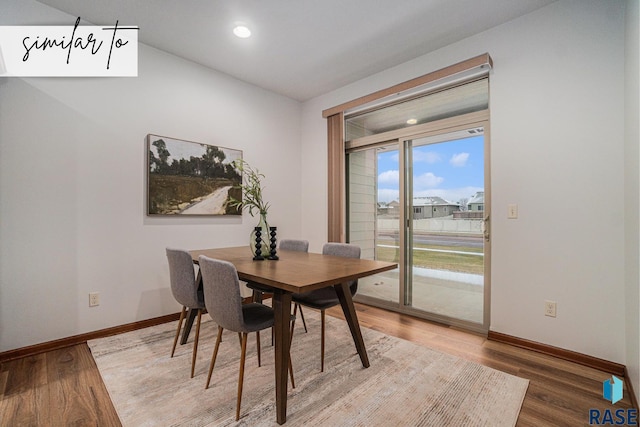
435	225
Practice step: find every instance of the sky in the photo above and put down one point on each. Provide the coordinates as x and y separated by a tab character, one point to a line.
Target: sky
452	170
185	149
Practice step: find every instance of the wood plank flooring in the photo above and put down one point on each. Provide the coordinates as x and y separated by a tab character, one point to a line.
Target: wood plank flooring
58	388
64	388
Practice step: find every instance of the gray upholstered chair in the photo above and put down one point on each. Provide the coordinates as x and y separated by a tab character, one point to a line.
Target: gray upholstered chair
324	298
224	304
185	290
294	245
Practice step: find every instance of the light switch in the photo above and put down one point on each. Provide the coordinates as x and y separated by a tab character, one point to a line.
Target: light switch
513	211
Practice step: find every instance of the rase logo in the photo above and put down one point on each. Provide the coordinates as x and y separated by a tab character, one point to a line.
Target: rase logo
612	390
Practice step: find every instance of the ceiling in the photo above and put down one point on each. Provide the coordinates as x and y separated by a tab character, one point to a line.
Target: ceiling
300	48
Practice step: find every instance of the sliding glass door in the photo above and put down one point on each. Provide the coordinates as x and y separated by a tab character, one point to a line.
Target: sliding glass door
445	250
421	200
374	212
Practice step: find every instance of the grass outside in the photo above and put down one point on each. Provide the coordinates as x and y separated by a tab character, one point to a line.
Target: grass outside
461	263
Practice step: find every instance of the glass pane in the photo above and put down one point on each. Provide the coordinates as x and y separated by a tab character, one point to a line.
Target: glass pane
446	244
374	213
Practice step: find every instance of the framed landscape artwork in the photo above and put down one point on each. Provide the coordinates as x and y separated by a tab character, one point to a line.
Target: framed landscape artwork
190	178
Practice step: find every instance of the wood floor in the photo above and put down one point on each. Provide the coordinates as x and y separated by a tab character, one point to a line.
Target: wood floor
64	388
57	388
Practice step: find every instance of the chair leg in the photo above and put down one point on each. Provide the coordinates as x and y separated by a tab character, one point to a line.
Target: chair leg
258	346
195	343
297	306
215	354
304	323
293	382
257	296
241	375
322	342
293	324
175	340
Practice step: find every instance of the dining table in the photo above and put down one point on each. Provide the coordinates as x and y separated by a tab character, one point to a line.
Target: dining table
296	272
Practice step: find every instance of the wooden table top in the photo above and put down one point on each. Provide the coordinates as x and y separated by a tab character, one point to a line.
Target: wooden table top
295	271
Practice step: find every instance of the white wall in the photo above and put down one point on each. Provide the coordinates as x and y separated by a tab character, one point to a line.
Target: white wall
632	191
72	185
557	129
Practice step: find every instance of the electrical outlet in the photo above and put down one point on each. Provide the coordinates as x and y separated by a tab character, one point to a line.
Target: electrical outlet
550	308
94	299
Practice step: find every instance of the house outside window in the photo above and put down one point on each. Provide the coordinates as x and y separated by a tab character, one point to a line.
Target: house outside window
476	203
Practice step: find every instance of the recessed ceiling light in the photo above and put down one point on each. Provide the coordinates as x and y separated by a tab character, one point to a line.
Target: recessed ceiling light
242	31
412	121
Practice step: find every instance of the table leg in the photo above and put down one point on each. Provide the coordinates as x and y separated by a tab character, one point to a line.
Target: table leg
191	315
281	303
344	295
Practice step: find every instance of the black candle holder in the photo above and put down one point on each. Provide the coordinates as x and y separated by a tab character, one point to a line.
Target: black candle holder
258	254
272	247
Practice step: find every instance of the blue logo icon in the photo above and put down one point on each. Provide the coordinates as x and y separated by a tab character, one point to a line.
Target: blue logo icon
612	389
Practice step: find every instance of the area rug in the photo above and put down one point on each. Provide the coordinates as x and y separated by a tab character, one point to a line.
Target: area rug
406	385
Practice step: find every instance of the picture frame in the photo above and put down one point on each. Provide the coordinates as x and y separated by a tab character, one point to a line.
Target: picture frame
191	178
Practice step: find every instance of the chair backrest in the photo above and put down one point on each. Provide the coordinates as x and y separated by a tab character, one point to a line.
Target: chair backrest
182	278
344	250
294	245
222	293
